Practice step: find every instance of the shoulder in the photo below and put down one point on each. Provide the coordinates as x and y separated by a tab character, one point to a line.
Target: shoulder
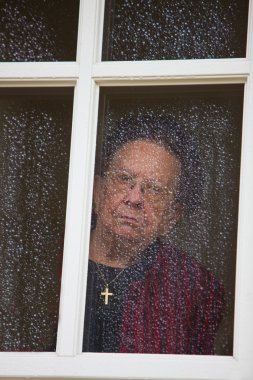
170	255
174	264
176	259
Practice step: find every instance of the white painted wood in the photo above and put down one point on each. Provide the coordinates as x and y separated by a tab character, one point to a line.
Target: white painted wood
38	82
99	29
249	48
89	174
173	81
124	366
243	329
87	73
39	70
79	194
113	73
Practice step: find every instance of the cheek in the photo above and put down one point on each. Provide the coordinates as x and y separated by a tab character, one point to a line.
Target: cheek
108	203
154	217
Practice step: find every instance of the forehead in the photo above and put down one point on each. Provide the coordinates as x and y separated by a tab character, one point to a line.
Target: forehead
147	158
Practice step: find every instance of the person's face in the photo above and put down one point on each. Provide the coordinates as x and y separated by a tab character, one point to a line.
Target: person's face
136	196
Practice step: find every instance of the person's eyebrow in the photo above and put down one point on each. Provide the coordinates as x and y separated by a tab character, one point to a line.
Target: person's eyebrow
133	174
123	170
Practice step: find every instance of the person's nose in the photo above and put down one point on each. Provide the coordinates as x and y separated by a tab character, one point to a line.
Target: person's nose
134	196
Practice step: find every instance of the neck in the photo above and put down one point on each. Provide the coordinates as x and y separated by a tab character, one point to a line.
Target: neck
114	251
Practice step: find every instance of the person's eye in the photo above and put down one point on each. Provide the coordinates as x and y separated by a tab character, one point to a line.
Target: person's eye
153	189
124	177
156	190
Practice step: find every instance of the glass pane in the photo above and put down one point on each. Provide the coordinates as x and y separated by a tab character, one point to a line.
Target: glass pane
164	223
34	158
175	29
41	30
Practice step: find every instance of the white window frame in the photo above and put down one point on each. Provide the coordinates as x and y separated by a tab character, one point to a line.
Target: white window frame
87	75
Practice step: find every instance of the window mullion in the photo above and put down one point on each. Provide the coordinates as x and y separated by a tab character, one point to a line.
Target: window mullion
183	72
243	331
87	77
79	191
39	71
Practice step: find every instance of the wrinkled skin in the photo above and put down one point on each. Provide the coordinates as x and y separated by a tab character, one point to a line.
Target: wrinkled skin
129	220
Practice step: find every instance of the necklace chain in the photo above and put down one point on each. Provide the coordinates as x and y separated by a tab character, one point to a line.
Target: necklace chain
103	277
106	292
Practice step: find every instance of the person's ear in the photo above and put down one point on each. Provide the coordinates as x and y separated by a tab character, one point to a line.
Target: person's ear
97	192
170	218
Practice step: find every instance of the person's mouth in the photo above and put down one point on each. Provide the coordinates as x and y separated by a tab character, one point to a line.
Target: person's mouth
128	219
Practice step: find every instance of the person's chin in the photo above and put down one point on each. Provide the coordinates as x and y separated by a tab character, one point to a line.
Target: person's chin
127	231
125	228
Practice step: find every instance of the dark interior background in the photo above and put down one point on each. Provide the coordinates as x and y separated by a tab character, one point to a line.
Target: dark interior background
213	116
35	128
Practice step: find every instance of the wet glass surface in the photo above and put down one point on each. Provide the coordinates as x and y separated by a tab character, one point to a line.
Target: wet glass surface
164	222
34	157
41	30
176	29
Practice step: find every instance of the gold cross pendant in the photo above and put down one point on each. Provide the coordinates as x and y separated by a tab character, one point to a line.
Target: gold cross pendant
106	294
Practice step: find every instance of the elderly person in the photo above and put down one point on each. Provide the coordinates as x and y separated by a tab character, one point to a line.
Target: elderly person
144	295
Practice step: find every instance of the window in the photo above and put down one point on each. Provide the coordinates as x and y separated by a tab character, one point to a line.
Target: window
35	142
90	76
202	125
38	32
152	30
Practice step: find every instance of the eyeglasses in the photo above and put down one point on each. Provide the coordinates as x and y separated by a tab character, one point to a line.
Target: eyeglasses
151	190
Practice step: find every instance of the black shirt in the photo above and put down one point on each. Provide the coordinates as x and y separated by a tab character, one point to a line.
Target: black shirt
102	325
